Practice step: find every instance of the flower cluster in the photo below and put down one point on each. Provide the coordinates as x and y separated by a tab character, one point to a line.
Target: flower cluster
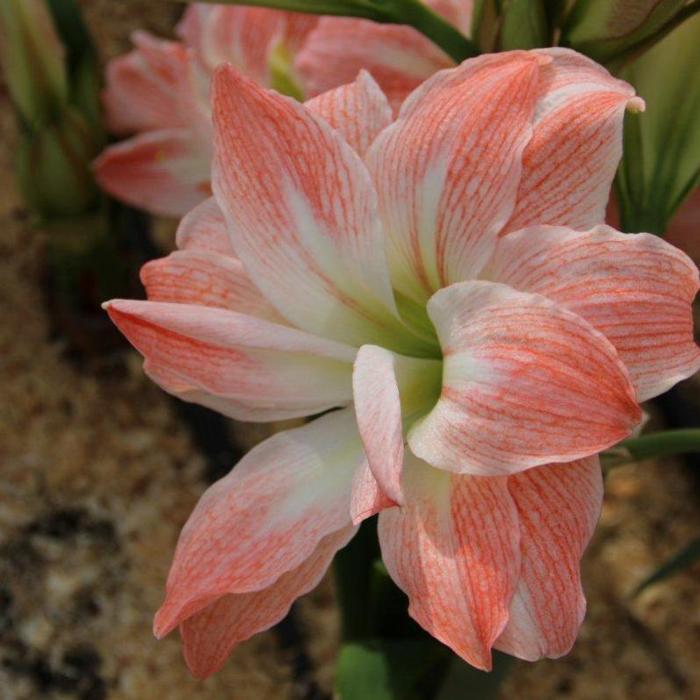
438	284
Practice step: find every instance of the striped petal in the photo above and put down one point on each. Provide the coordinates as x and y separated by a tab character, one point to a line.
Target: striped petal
164	172
569	164
453	548
245	367
358	110
378	411
634	288
266	518
204	228
302	214
152	87
448	170
208	279
242	36
558	506
398	57
211	635
525	383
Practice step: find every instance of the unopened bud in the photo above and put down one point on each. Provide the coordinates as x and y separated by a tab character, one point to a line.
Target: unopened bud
33	59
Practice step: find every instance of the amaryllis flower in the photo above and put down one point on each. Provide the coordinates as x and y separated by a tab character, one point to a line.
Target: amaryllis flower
441	281
160	90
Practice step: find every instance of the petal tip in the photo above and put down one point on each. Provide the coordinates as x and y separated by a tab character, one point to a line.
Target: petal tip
636	105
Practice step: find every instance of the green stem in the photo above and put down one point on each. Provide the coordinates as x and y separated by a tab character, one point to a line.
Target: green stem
411	12
663	444
439	31
352	568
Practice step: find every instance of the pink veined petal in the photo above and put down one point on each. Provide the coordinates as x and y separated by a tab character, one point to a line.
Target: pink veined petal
569	164
558	506
205	278
448	170
242	36
378	411
211	635
636	289
453	548
204	228
151	87
164	172
266	518
302	213
245	367
367	496
398	57
525	383
358	110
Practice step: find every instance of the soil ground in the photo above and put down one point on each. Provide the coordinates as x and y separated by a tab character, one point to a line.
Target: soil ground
99	473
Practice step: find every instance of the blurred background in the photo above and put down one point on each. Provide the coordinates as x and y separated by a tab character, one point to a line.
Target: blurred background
99	470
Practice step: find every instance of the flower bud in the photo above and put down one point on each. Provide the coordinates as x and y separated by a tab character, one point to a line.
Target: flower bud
54	167
33	59
603	29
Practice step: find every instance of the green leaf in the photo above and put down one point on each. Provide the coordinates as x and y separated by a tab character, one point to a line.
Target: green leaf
525	25
662	444
681	560
661	161
410	12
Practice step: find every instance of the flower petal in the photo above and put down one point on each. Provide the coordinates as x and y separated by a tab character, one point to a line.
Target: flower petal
368	499
636	289
569	164
302	213
164	172
453	548
378	411
447	171
251	368
210	635
204	228
205	278
266	518
242	36
150	88
398	57
559	506
359	111
525	383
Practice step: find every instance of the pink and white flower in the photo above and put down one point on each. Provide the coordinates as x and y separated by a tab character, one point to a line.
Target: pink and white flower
160	90
442	279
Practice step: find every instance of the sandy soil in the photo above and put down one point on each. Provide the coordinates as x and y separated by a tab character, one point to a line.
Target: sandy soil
99	474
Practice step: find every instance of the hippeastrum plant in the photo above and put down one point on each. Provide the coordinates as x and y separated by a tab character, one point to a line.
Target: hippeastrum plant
160	91
439	286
